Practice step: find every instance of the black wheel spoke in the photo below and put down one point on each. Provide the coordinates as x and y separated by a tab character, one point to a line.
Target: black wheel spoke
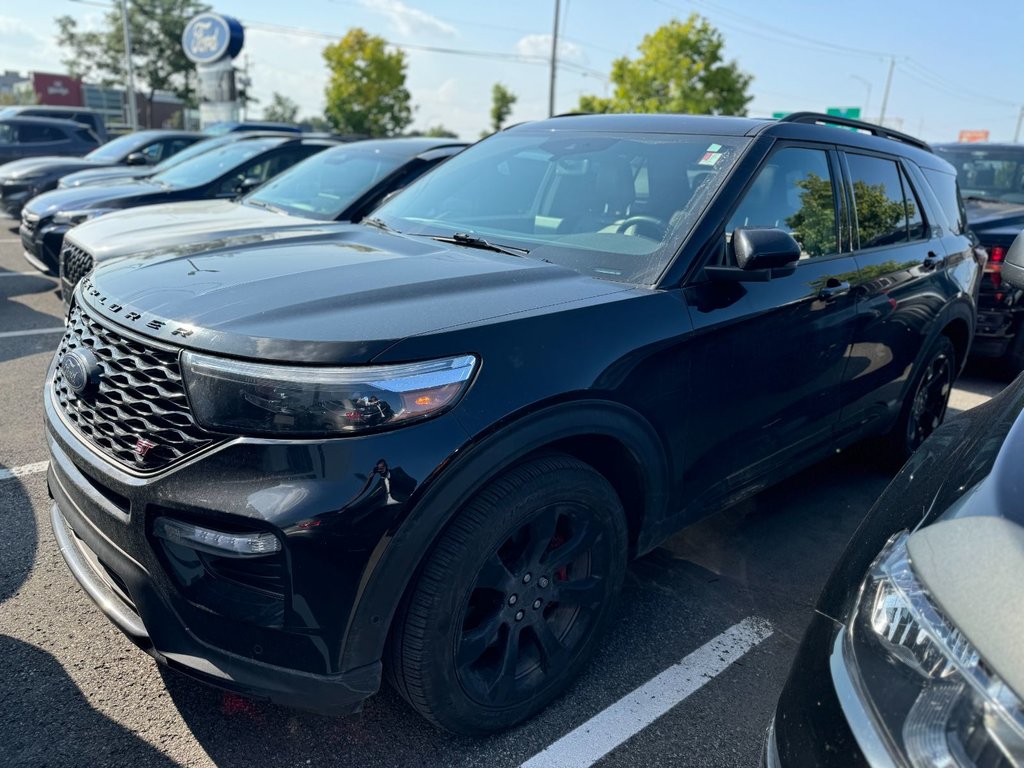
494	574
505	679
579	543
586	593
552	652
476	641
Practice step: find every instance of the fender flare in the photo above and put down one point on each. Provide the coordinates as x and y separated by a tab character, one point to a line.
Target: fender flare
397	559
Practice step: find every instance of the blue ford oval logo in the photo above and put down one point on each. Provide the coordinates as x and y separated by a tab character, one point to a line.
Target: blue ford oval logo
210	37
81	369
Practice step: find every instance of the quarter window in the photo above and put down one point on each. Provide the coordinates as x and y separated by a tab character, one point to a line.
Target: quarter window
793	192
946	189
885	216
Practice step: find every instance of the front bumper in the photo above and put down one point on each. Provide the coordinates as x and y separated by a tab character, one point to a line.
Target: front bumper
42	243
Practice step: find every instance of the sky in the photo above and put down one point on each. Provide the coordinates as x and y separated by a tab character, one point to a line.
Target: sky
954	68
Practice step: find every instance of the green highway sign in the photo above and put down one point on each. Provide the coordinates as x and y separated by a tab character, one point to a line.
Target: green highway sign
851	113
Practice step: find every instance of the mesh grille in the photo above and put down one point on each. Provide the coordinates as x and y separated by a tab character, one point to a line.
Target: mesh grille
75	263
139	394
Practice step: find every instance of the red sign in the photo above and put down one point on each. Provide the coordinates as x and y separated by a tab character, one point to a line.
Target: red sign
57	90
970	137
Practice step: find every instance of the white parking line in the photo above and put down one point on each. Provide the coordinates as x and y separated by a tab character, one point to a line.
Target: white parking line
606	730
10	240
31	332
21	274
24	469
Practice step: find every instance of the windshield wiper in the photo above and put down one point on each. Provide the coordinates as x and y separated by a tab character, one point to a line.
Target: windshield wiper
268	206
472	241
380	224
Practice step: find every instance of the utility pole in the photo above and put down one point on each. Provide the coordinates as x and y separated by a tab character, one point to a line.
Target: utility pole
885	96
1020	121
554	61
133	110
867	98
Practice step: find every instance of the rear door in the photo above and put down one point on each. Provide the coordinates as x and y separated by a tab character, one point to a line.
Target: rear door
899	287
769	356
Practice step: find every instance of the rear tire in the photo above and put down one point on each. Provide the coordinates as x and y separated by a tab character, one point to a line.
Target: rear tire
926	404
513	598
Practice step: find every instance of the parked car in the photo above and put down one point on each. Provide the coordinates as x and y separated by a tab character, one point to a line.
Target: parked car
22	180
115	174
23	137
341	184
232	126
913	655
225	173
992	182
427	444
90	118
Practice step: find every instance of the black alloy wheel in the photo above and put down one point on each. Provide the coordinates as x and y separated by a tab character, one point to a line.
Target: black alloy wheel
931	398
513	597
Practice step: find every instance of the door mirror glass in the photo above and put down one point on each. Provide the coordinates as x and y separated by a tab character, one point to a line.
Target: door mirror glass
248	184
1013	265
764	248
136	158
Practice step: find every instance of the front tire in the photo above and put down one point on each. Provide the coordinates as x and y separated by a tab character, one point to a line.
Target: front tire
513	598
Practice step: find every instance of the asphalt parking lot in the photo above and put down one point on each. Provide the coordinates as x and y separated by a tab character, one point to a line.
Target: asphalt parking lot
728	598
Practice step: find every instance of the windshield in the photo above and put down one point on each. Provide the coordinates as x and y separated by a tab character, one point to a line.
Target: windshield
325	185
989	173
211	165
192	150
117	149
607	205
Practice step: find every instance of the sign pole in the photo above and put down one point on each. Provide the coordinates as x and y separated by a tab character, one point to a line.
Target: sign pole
554	63
1020	120
885	96
133	110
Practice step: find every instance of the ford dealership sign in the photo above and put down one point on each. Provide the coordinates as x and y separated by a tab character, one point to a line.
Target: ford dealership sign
210	37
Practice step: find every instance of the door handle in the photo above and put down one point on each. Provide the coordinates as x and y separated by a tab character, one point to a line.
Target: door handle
932	261
833	290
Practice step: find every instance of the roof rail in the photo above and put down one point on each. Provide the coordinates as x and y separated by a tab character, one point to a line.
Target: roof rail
818	118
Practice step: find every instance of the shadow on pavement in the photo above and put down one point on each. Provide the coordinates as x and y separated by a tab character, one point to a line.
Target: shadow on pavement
46	721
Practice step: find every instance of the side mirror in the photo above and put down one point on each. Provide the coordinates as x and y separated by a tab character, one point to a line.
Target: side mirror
764	248
248	184
136	158
1013	263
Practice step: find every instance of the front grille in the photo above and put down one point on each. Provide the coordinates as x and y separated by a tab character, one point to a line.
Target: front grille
139	395
75	263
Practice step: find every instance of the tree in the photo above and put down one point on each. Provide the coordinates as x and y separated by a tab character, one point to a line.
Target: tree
366	91
679	69
502	100
159	60
281	109
434	132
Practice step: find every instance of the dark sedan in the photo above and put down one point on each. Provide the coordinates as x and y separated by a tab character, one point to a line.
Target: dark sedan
22	180
914	655
23	137
340	185
224	173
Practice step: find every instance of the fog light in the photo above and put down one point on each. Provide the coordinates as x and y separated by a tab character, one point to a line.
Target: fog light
216	542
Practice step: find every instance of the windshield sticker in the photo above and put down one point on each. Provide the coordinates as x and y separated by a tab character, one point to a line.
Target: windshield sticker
714	148
710	158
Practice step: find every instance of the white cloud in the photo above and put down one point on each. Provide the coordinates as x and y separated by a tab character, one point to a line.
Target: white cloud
409	21
540	45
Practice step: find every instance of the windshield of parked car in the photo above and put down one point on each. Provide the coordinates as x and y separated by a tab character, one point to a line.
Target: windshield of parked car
211	165
992	173
610	205
117	149
326	184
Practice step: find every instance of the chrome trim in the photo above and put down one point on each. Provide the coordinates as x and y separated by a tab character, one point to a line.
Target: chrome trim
869	737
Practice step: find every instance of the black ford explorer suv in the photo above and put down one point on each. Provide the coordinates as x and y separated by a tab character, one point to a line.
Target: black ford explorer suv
426	445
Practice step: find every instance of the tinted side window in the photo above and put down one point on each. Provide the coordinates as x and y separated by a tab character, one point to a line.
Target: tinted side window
32	134
6	134
947	190
915	215
878	201
793	192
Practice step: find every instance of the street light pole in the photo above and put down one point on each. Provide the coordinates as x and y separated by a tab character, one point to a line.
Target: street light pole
1020	120
133	113
554	61
867	98
885	96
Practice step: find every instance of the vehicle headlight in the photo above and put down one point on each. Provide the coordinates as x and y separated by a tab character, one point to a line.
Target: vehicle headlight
77	217
257	398
926	686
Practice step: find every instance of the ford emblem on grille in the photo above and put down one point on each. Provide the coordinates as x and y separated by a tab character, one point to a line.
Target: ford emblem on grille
81	369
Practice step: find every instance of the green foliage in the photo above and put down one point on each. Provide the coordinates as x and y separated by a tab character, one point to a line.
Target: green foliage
17	98
814	225
502	100
679	69
281	109
157	55
366	91
436	132
878	217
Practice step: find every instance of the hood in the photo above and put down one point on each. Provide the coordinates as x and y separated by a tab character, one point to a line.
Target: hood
342	298
31	166
200	224
100	196
113	174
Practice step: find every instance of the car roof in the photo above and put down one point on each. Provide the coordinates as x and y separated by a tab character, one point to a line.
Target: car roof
53	121
161	132
405	147
49	108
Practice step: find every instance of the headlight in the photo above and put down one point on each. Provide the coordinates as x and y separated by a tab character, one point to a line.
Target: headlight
925	684
77	217
240	397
